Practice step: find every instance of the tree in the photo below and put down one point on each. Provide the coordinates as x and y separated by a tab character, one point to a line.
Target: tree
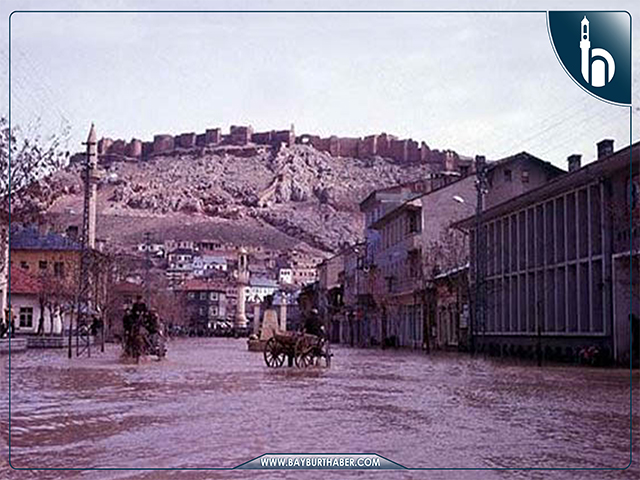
26	160
447	257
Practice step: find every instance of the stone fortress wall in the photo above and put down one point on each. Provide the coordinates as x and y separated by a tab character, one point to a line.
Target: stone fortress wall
243	141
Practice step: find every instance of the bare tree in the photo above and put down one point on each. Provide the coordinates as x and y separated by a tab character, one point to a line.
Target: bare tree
26	160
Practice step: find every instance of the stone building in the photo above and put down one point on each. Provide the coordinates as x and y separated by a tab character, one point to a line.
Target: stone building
559	259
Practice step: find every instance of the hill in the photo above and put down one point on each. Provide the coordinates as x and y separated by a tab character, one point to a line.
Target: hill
297	197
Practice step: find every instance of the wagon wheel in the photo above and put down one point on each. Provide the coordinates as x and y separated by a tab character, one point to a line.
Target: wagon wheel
324	350
304	355
273	353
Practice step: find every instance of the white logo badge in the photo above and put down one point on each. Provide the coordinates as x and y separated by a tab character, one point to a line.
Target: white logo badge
595	71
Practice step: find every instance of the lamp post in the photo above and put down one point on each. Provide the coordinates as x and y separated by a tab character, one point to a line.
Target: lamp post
480	253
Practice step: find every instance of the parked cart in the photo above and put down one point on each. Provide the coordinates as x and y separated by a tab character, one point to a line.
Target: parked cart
301	349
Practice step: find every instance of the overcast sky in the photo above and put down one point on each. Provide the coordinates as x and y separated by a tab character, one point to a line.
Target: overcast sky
477	83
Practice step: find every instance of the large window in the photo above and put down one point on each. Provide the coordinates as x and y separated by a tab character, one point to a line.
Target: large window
26	317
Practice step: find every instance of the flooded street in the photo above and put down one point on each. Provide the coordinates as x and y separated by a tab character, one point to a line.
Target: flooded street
213	404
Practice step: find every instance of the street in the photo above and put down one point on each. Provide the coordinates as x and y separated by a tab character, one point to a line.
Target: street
213	404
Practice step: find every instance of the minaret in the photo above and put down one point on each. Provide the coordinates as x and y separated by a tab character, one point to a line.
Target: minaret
243	281
585	46
91	177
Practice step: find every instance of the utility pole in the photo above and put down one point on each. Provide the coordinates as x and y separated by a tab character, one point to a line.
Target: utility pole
478	319
147	267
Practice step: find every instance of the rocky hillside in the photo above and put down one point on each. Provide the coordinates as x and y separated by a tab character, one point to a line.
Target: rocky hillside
299	197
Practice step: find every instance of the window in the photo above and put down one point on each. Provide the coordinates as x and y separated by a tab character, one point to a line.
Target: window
203	311
525	176
42	264
213	311
192	295
213	296
507	175
24	265
413	222
58	269
26	317
203	295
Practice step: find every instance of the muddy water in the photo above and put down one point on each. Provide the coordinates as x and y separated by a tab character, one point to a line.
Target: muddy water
213	404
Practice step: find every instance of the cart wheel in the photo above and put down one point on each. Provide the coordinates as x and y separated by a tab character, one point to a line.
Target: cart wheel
304	355
273	353
324	351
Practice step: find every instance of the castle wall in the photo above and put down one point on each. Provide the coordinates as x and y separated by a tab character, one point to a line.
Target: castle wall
213	136
186	140
162	143
382	145
240	135
133	148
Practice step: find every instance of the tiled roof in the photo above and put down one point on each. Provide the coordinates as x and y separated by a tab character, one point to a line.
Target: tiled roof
30	238
22	282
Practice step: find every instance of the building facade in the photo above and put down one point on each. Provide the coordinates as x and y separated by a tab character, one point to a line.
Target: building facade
415	244
558	263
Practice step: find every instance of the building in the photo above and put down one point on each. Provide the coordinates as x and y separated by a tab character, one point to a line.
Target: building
303	275
156	249
34	313
285	275
54	260
558	263
206	303
328	294
180	264
203	265
259	288
414	242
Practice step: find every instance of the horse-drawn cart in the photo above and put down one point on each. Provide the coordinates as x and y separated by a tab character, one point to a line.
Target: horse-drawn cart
300	348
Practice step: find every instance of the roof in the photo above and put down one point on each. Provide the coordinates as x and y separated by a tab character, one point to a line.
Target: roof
181	251
22	282
490	165
197	284
263	282
524	156
31	238
408	188
616	161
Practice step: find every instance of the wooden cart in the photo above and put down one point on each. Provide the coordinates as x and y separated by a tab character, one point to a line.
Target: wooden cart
300	348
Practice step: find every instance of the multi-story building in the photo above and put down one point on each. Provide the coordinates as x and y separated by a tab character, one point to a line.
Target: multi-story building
180	264
415	243
559	260
55	260
259	288
206	302
303	275
206	264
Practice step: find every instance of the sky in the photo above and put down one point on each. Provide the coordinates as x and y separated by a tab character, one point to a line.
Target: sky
478	83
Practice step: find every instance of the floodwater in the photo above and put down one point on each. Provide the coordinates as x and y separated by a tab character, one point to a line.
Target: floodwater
212	403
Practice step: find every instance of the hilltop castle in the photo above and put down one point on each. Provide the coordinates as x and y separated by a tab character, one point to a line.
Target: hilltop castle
243	141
